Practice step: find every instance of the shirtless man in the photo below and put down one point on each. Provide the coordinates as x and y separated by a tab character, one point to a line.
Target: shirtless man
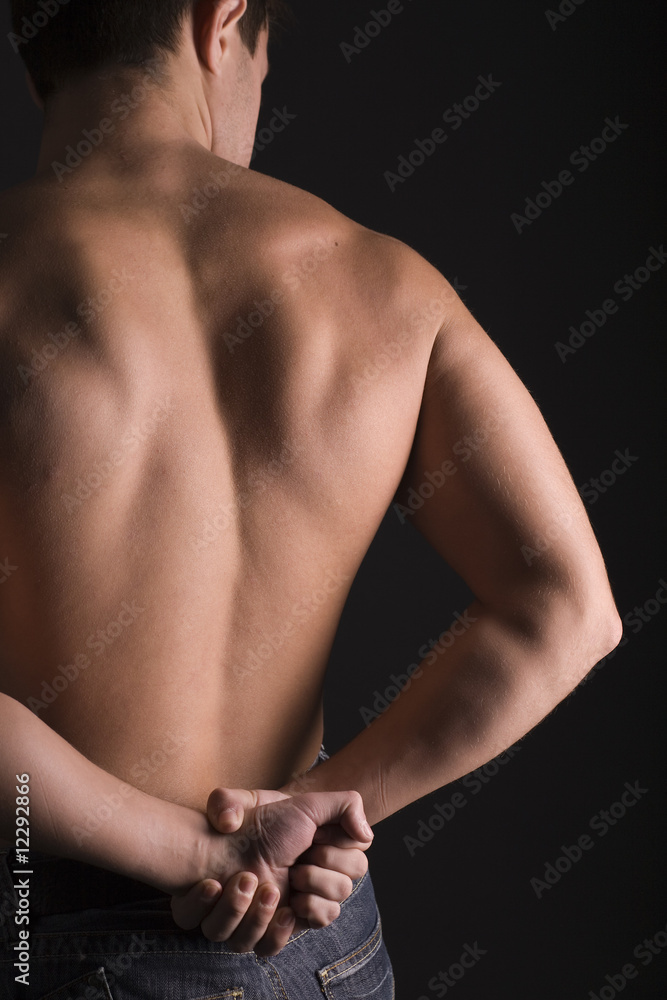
213	385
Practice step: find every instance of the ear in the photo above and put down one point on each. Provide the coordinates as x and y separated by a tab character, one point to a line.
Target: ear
214	21
33	91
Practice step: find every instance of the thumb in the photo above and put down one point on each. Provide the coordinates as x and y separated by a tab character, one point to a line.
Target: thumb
343	808
226	808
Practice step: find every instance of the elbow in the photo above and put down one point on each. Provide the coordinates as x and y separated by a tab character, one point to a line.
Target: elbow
585	630
599	622
572	629
612	632
583	600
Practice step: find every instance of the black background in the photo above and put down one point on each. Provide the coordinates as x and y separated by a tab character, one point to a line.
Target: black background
355	116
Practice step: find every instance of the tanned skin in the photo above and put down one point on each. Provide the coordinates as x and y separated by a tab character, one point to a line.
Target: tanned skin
253	380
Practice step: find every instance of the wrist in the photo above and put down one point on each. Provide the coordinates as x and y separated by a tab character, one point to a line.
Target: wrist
175	847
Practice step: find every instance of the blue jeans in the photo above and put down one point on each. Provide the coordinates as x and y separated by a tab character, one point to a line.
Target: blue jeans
95	935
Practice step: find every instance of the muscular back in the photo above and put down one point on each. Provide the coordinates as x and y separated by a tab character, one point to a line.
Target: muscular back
206	407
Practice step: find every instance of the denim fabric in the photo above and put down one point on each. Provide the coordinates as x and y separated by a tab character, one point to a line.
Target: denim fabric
131	949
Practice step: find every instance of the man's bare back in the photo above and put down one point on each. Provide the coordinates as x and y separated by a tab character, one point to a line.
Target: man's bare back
212	387
205	415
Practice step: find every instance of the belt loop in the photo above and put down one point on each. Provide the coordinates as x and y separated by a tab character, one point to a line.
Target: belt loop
9	932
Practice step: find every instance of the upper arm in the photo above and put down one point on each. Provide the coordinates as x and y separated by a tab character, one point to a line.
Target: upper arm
486	484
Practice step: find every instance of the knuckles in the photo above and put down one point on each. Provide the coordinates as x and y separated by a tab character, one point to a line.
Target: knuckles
312	879
317	912
325	915
350	861
359	865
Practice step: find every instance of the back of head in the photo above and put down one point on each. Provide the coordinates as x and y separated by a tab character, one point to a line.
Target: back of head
60	40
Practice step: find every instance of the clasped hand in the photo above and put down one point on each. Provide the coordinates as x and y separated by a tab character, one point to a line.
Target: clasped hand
290	861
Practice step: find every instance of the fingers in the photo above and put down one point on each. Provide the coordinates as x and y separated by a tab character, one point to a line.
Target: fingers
317	894
353	863
343	808
246	917
230	909
190	909
255	924
322	880
314	910
277	935
336	836
309	879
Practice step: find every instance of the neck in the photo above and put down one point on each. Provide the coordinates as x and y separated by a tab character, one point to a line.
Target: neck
126	117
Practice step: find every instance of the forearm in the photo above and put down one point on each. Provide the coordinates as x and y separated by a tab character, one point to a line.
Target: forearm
483	693
80	811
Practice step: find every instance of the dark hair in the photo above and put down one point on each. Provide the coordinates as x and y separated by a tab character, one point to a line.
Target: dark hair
58	39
